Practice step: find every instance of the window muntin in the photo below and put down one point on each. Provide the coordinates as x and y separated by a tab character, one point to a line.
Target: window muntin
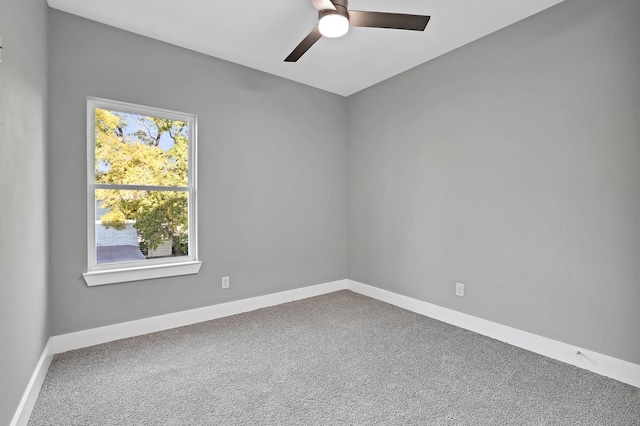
141	186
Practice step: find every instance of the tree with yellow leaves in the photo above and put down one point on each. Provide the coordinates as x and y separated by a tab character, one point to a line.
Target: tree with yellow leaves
143	152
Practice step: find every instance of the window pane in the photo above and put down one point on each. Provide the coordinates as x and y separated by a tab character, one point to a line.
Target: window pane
140	150
140	225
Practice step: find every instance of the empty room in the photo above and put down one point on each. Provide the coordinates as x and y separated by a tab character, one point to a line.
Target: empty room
320	212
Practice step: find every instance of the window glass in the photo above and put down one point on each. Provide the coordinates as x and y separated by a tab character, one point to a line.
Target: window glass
141	185
137	225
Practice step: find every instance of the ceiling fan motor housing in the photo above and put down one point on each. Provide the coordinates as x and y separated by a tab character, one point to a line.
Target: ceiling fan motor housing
341	9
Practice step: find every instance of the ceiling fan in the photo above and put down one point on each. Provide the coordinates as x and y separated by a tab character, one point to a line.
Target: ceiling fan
334	20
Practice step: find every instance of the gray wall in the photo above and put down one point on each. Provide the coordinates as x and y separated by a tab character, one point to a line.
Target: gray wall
272	175
23	231
511	165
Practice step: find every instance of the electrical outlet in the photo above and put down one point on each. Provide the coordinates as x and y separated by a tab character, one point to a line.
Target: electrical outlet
460	289
225	282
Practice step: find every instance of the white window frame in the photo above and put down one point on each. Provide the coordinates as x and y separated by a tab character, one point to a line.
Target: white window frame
100	274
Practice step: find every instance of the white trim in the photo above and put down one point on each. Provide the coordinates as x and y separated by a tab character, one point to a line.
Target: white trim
30	396
113	276
623	371
604	365
130	187
114	272
96	336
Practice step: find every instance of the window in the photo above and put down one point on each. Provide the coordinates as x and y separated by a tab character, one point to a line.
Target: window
141	193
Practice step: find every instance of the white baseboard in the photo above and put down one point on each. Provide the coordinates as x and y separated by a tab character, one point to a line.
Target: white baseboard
604	365
96	336
28	401
623	371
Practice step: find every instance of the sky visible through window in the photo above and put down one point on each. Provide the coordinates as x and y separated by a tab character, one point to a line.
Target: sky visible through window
135	128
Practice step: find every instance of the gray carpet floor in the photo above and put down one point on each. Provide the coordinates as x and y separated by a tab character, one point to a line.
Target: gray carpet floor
337	359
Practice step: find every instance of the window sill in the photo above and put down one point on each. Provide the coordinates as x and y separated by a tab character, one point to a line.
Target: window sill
113	276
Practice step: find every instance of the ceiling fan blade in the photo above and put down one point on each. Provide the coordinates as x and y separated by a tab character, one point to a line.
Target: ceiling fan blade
398	21
321	5
304	45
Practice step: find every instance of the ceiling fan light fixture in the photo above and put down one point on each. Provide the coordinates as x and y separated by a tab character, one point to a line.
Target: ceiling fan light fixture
333	25
335	18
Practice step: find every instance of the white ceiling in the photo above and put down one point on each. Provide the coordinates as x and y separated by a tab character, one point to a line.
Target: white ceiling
260	34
